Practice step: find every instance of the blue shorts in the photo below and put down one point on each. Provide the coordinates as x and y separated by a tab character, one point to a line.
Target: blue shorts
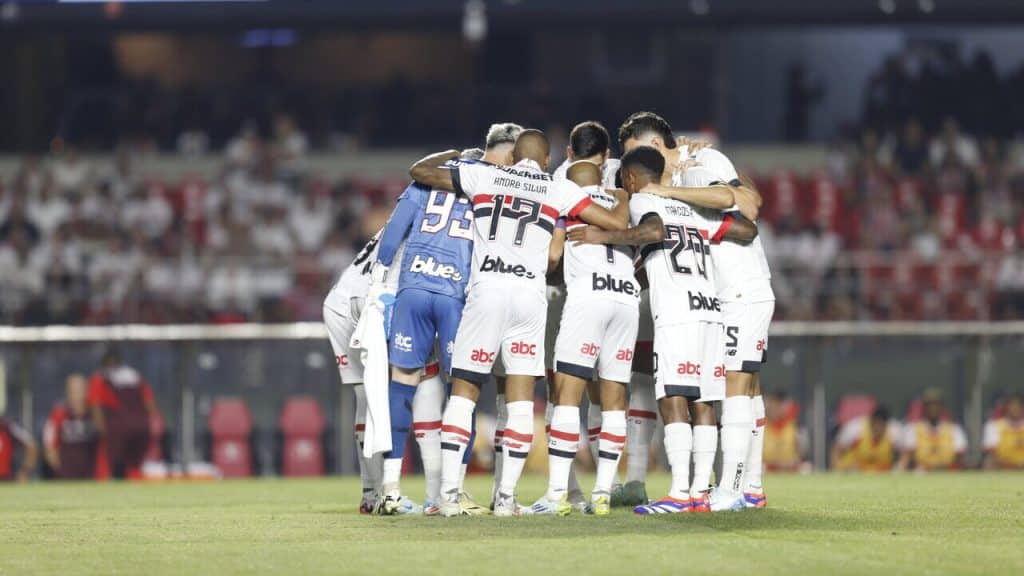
418	317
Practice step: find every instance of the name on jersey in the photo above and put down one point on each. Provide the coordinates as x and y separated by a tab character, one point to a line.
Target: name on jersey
496	264
431	267
679	209
505	182
610	283
700	302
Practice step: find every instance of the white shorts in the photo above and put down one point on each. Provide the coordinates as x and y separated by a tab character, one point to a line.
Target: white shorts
689	361
505	320
556	303
746	334
339	330
599	332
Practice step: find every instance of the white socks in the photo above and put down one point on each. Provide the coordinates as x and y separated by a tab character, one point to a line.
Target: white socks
426	417
500	420
516	444
705	445
737	426
563	442
678	443
642	417
609	448
455	432
369	468
754	463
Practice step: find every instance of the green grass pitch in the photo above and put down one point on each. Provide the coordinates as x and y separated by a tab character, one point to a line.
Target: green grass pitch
968	523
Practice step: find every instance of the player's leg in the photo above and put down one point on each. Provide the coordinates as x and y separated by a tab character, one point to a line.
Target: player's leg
476	347
737	431
759	317
593	418
615	367
642	414
500	421
427	408
563	442
675	414
522	353
350	369
705	446
412	340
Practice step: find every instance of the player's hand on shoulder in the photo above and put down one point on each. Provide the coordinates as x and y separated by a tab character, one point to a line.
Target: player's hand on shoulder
693	145
585	235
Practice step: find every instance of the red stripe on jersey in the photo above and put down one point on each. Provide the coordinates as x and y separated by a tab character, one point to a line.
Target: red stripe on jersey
612	437
723	229
565	436
583	204
482	199
703	233
426	425
642	414
455	430
549	211
518	436
360	427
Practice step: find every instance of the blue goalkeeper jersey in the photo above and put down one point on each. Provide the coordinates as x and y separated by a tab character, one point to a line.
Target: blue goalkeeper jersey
437	227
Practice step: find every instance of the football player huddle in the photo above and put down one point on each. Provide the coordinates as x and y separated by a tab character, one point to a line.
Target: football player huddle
639	282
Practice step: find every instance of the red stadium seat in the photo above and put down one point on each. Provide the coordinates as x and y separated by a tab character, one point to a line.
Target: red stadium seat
915	411
230	426
302	424
853	406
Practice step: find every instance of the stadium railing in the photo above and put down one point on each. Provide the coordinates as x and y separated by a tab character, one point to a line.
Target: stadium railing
189	366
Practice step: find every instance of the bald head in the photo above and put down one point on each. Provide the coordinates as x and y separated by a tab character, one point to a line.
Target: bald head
532	145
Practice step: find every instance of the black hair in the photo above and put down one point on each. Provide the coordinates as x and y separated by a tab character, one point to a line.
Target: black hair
880	413
642	123
647	159
588	139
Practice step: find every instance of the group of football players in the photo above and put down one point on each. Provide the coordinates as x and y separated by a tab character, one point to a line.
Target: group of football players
639	281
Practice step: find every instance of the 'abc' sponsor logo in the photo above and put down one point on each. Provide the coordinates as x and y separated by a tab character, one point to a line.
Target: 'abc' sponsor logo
590	349
625	355
524	349
431	267
611	284
482	356
691	369
341	360
403	342
761	345
498	265
699	302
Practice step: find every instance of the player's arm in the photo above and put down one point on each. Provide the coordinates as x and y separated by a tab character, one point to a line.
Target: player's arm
431	171
398	226
616	219
556	249
717	197
736	228
650	230
748	199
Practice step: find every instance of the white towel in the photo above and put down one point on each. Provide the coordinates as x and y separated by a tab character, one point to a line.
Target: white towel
369	336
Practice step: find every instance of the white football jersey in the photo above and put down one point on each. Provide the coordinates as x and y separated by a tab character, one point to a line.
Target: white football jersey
602	269
741	270
679	269
608	171
354	281
515	209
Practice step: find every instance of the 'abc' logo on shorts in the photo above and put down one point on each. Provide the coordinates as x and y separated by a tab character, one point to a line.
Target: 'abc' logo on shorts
590	349
341	360
761	345
625	355
482	356
524	349
688	369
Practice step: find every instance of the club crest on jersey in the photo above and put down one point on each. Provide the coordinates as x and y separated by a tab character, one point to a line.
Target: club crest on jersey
496	264
610	283
482	356
403	342
700	302
431	267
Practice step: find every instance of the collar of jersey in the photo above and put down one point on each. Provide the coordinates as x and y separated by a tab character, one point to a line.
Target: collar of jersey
527	163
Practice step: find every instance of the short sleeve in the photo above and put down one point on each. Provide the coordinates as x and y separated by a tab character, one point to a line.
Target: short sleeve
959	439
467	177
570	199
719	164
850	433
640	206
990	440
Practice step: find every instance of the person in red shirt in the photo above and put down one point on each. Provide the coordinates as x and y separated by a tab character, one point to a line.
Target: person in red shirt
71	438
13	436
122	402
